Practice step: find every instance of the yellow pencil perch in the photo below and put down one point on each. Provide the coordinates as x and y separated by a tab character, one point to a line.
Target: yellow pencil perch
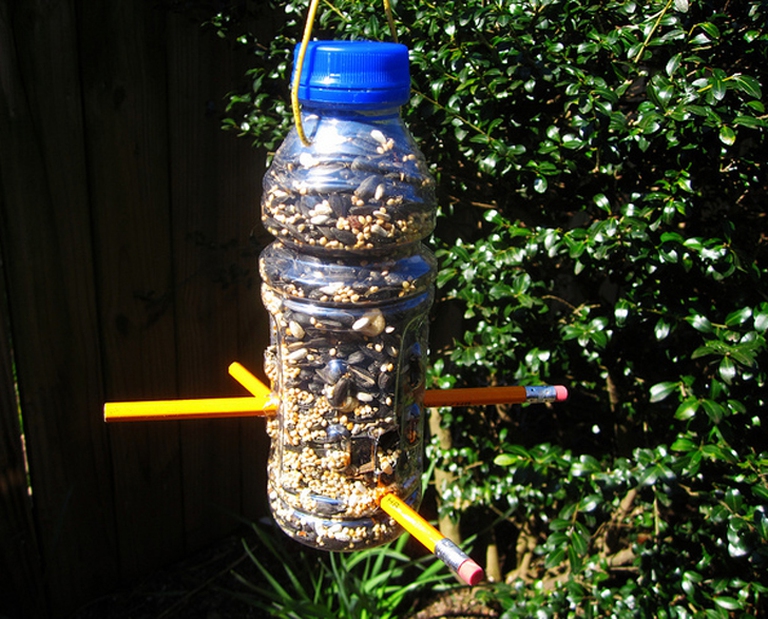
443	548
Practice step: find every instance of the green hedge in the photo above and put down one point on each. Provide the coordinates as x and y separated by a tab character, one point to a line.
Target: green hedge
602	174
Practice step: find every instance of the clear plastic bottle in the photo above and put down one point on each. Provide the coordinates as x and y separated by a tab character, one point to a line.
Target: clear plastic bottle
348	286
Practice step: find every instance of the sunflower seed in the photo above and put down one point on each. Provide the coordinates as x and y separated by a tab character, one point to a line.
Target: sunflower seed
372	323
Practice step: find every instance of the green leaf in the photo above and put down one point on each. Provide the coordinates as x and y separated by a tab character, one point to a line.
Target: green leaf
673	64
585	465
555	558
744	354
761	319
750	122
574	559
560	525
660	91
710	28
718	85
714	410
727	370
739	317
687	409
700	323
621	312
728	603
662	329
761	492
500	291
602	203
506	460
703	351
700	39
733	499
748	85
589	503
517	454
661	391
580	543
572	142
690	580
445	276
683	443
761	524
727	135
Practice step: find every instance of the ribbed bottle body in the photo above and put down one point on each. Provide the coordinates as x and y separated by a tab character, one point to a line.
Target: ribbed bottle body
348	286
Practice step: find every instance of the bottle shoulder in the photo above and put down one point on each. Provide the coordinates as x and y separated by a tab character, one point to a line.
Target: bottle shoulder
361	184
343	137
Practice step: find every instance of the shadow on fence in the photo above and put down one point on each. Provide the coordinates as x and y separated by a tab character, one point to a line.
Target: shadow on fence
127	273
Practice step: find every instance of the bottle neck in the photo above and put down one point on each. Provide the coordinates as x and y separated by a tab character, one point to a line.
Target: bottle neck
351	112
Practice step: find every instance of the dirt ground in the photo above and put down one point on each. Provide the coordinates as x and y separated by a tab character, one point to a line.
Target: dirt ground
202	586
460	604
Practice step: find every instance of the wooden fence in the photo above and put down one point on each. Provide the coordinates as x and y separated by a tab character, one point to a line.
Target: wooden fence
126	273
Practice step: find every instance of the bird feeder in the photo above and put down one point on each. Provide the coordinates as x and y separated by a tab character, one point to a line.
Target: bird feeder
348	286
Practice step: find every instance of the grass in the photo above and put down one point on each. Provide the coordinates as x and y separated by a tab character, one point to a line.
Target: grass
301	583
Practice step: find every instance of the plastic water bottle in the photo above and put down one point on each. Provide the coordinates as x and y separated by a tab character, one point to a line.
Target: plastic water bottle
348	286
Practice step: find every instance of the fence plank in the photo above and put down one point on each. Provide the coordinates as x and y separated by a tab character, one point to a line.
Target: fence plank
216	187
215	184
113	175
21	581
125	110
46	237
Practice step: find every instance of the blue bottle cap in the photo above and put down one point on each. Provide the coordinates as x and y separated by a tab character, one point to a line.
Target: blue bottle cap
360	74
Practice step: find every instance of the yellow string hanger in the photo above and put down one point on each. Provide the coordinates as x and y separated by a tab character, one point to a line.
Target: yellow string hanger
295	105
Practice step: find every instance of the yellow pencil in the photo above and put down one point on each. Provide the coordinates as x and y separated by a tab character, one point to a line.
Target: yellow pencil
443	548
478	396
263	403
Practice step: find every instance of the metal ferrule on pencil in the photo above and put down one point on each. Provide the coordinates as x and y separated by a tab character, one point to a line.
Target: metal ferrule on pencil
450	554
546	393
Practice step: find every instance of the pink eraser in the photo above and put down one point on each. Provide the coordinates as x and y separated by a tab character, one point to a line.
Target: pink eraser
561	393
470	572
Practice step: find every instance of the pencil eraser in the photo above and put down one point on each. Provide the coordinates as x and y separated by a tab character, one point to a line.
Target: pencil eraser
561	393
470	572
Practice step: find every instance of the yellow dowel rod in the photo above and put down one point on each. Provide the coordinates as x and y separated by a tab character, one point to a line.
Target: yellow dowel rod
261	403
254	386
